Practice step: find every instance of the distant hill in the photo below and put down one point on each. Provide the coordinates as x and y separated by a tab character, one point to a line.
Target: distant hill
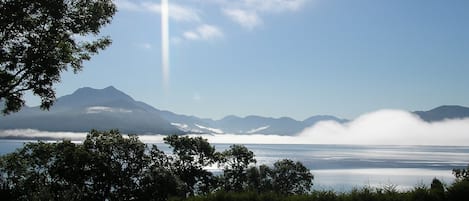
89	108
109	108
444	112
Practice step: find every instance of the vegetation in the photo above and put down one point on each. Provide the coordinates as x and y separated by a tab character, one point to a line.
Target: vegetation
41	39
109	166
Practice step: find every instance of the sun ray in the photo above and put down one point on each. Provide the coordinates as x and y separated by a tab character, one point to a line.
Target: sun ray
165	42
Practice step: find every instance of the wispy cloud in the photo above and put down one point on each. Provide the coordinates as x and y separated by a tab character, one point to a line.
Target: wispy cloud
176	12
247	19
145	46
35	134
204	32
274	5
247	13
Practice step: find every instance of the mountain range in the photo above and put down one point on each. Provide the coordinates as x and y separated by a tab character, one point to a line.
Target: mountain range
109	108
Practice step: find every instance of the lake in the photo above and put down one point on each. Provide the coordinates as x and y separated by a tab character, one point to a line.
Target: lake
343	167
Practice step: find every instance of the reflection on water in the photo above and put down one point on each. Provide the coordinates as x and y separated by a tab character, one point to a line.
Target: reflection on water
342	167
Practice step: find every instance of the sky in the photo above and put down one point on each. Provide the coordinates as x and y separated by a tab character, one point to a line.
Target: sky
295	58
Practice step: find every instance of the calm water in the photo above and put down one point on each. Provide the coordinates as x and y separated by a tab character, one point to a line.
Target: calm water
343	167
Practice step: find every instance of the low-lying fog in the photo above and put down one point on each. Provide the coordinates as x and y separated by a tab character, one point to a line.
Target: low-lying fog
383	127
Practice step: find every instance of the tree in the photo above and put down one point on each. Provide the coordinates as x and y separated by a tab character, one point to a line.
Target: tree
461	174
291	177
159	181
40	39
459	190
117	164
236	159
437	190
260	179
192	155
107	166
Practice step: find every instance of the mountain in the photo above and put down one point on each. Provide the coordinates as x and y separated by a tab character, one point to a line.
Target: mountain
88	109
315	119
444	112
109	108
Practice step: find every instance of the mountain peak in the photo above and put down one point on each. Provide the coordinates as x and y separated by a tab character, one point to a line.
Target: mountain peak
87	96
444	112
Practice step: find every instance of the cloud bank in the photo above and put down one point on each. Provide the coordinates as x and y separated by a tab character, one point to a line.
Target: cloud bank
389	127
383	127
35	134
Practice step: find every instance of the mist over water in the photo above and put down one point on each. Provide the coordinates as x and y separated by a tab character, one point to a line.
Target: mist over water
390	127
383	127
376	149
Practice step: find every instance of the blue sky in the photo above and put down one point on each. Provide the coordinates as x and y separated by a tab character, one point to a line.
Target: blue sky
293	58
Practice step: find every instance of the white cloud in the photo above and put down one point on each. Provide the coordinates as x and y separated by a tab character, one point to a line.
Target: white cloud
209	31
274	5
191	35
247	19
176	12
247	12
100	109
146	46
384	127
203	32
389	127
35	134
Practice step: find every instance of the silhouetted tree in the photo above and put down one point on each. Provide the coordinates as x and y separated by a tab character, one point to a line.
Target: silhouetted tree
236	161
459	190
260	179
191	155
118	164
437	190
42	39
461	174
107	166
291	177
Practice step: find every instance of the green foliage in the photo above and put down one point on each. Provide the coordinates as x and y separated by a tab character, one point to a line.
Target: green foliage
109	166
459	191
461	174
291	177
236	161
437	190
191	155
42	39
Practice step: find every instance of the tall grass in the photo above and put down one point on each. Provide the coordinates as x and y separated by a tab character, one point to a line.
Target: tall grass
458	191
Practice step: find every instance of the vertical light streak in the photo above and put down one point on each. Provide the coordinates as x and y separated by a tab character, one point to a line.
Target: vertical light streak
165	42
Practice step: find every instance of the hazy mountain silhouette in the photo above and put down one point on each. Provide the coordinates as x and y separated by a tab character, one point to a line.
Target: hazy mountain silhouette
109	108
444	112
89	108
